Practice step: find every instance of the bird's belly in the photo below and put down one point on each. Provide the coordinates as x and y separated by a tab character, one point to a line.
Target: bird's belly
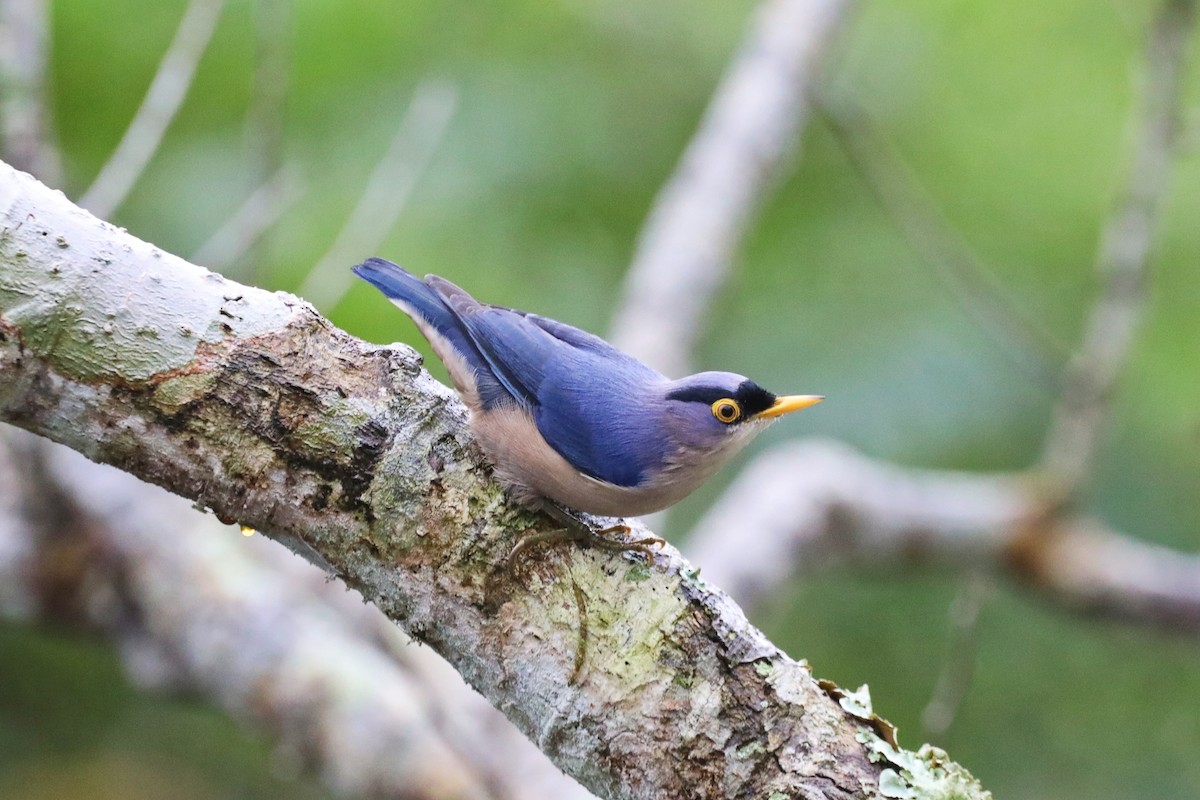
534	471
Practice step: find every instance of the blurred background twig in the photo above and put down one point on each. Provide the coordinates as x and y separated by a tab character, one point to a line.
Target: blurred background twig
749	133
386	192
1123	262
250	222
163	99
957	266
259	632
25	126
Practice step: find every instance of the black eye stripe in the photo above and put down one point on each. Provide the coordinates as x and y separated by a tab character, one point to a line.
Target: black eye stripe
749	395
699	394
754	398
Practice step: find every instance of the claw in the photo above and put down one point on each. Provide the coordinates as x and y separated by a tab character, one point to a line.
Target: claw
597	539
579	531
536	539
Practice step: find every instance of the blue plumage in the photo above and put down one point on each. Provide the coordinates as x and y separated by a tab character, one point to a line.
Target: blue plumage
429	306
608	434
595	417
539	363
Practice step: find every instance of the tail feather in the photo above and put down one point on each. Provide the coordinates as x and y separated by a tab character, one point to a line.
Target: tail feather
400	285
439	324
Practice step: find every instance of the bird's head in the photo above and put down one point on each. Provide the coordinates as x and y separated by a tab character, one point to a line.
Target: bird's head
721	411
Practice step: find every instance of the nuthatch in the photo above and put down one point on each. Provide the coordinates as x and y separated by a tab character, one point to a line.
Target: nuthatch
567	419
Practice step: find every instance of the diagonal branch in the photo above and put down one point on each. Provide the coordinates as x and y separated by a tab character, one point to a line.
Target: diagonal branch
250	626
735	159
251	404
815	504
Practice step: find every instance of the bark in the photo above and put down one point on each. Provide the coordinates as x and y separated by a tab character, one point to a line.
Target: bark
255	630
638	681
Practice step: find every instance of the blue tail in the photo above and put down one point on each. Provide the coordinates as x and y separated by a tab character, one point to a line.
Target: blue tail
398	283
433	316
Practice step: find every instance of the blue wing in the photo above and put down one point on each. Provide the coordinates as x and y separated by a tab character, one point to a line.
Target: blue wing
603	421
515	353
587	398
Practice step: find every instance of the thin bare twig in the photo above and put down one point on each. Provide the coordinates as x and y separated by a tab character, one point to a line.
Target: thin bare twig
241	232
163	99
1123	262
267	112
1029	345
387	192
26	139
272	77
700	216
958	667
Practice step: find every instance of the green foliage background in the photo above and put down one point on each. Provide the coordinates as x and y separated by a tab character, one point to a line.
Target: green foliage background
572	113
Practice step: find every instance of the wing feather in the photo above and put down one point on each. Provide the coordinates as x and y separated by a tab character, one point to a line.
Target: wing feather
588	399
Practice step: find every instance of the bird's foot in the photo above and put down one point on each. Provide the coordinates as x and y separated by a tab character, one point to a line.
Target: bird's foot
580	532
600	539
533	540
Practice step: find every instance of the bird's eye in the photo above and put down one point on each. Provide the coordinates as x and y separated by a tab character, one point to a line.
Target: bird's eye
727	410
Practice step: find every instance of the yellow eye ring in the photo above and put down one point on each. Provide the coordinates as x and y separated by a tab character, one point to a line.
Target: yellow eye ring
727	410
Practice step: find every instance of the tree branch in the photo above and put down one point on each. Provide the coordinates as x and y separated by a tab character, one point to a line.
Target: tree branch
258	631
824	502
253	405
814	504
699	217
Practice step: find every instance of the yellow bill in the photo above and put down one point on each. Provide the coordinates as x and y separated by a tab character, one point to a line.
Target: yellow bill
790	403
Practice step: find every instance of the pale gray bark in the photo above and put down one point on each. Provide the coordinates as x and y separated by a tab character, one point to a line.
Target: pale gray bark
193	606
639	682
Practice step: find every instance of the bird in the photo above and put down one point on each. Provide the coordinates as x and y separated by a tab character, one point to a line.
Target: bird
570	423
